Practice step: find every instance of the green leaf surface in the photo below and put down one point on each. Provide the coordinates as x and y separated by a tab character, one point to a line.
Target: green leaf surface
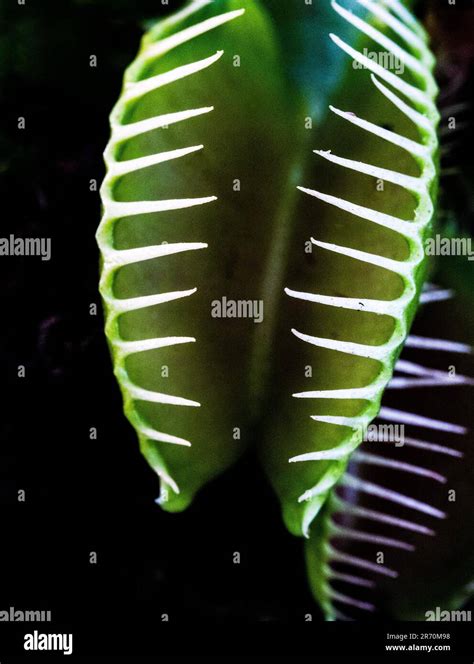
219	186
224	225
348	329
430	553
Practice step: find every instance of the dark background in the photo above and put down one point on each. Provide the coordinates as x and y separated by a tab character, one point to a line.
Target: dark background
87	495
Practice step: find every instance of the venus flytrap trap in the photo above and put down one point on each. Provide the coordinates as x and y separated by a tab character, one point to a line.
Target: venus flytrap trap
176	237
369	274
212	195
391	511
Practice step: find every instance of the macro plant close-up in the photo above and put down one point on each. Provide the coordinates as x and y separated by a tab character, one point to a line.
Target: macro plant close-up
180	233
283	224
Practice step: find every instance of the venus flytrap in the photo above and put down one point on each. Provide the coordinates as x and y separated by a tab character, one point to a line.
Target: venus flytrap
212	195
177	236
365	314
373	529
